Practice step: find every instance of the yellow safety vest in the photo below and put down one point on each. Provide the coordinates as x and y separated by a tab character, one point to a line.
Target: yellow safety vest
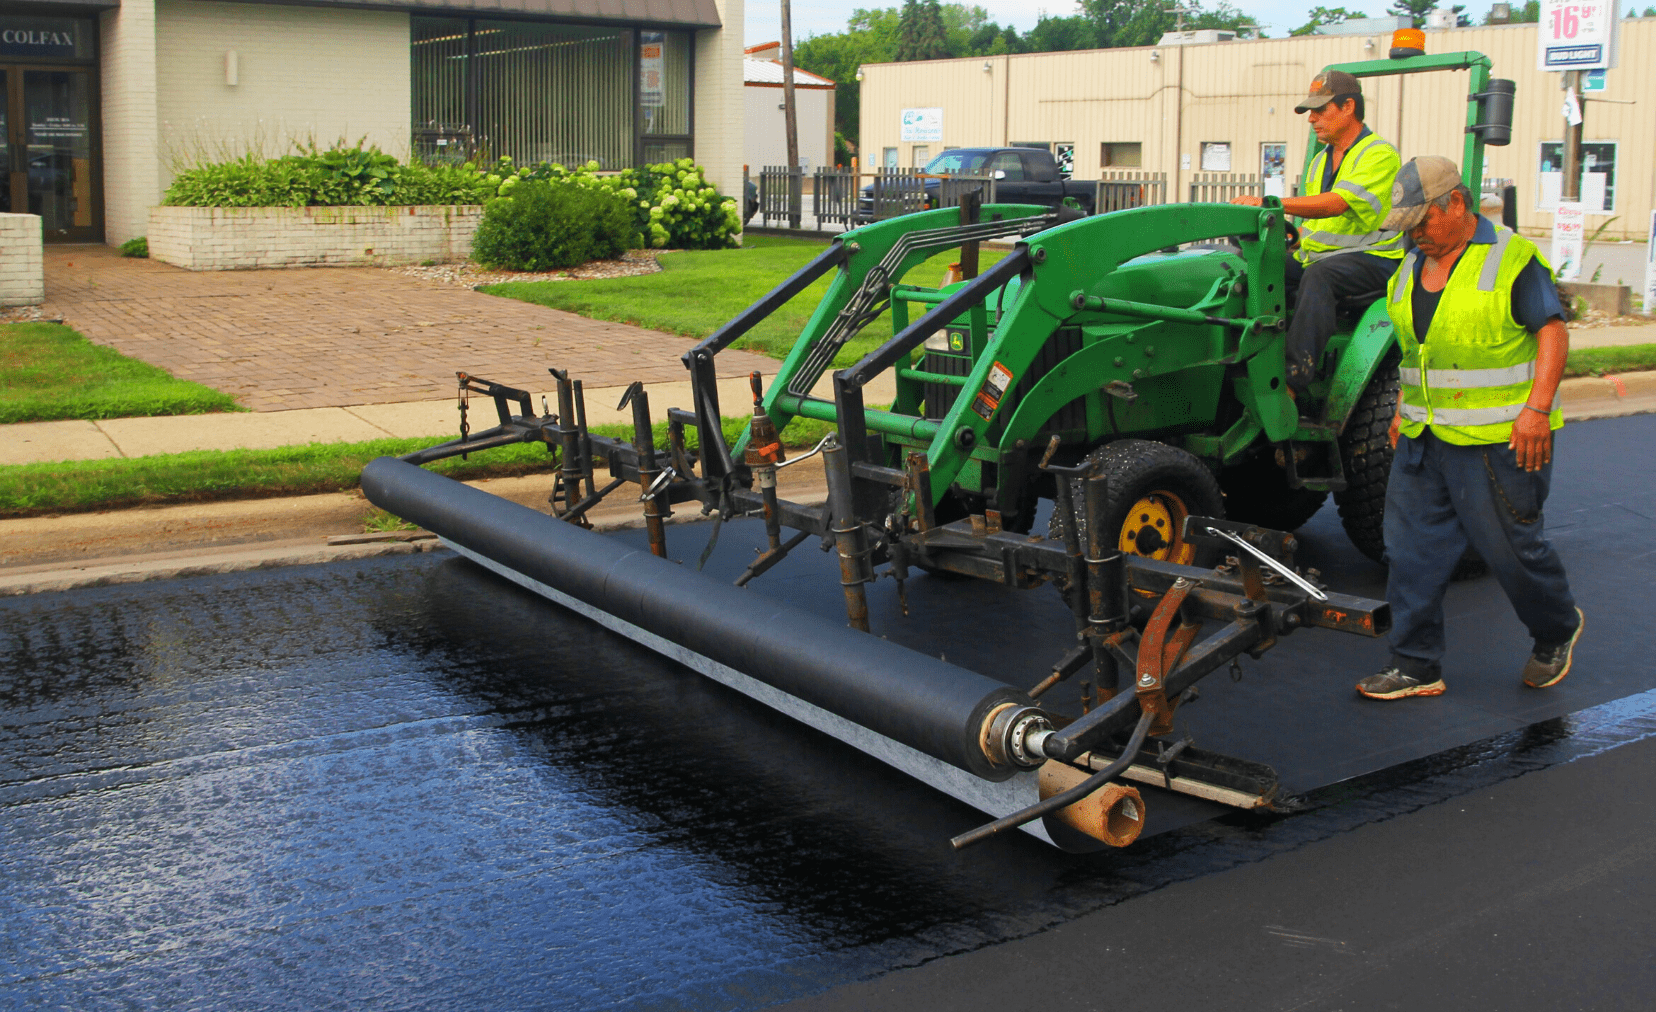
1471	378
1365	178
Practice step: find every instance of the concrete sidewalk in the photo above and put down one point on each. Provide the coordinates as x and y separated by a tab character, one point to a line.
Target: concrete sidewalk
44	442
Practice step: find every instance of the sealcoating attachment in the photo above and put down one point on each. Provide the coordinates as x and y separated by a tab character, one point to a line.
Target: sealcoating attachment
1113	814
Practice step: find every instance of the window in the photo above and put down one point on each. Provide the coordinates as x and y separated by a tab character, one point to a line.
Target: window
1126	155
1598	176
1007	162
922	154
888	157
1216	156
536	91
951	162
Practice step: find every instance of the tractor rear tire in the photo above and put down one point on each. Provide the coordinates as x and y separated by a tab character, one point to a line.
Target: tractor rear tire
1366	452
1257	492
1152	488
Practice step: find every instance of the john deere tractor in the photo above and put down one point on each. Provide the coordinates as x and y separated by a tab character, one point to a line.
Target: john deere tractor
1148	342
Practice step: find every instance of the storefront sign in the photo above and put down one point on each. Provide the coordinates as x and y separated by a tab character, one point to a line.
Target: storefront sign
922	125
1577	36
650	92
1569	227
39	37
1650	268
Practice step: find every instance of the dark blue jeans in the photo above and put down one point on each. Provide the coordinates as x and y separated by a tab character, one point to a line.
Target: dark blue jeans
1443	497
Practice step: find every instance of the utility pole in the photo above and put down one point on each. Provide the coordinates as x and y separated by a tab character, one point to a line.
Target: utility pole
796	183
1571	189
792	124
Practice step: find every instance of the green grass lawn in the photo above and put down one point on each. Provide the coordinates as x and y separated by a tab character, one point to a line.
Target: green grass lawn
698	291
1600	361
206	475
47	372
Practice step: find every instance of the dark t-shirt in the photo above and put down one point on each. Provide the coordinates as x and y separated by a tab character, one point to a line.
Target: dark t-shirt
1534	299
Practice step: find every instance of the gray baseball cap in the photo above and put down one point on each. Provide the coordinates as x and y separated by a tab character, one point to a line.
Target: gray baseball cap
1423	180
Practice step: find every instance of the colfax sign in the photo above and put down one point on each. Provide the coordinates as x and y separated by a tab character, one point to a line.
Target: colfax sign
1578	36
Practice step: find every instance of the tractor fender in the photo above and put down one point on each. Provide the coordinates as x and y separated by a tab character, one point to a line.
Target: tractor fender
1370	343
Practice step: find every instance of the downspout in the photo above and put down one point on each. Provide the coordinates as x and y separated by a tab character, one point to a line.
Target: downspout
1006	100
1178	134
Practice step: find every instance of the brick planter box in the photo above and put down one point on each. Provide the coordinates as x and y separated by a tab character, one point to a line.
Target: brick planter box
238	238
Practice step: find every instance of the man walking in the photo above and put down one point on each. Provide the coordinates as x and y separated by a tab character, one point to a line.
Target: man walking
1345	250
1484	344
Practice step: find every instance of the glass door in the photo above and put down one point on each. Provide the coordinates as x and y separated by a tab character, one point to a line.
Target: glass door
49	150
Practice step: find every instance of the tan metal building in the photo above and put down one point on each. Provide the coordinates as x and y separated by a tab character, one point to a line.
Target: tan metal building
1229	107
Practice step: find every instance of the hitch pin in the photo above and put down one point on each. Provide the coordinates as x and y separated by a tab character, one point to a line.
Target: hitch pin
667	474
1287	574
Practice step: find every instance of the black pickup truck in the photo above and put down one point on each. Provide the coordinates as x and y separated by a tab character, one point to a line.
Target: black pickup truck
1022	176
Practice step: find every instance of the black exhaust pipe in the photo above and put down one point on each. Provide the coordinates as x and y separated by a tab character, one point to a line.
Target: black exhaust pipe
912	699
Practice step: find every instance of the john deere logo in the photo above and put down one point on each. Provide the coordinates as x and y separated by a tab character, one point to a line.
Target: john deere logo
957	341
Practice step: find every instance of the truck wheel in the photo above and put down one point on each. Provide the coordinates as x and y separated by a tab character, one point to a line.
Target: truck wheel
1257	492
1153	487
1366	453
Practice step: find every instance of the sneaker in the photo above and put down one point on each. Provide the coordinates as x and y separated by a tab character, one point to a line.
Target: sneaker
1548	666
1392	683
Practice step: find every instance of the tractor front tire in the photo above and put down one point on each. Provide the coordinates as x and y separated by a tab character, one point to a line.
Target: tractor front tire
1366	452
1152	488
1257	492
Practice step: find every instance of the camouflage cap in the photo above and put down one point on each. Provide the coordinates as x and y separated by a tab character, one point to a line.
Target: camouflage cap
1423	180
1325	86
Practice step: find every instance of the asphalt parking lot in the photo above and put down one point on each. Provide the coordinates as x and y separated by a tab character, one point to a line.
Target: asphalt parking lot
403	783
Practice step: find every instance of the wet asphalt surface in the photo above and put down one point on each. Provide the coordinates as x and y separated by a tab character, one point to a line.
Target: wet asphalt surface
406	784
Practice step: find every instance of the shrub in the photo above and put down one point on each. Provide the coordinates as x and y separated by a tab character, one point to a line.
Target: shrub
546	224
672	204
138	247
311	177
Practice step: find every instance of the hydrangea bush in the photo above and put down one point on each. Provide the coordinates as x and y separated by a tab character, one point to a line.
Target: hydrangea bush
675	206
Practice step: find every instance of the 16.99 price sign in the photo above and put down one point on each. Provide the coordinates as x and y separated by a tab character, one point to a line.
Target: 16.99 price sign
1577	36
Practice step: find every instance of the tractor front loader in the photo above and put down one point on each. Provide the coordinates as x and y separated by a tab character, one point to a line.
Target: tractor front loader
1127	367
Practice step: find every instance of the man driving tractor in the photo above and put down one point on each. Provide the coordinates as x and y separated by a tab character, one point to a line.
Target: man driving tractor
1343	251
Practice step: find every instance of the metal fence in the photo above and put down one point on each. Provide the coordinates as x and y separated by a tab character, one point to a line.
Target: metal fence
782	195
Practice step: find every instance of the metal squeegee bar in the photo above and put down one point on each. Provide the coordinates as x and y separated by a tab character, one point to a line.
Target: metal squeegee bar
861	310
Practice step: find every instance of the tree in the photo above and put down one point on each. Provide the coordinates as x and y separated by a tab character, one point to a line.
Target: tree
1525	13
870	36
1319	16
1418	9
1118	23
921	34
1061	35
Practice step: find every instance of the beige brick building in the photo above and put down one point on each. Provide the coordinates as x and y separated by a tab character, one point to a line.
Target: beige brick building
106	99
1182	110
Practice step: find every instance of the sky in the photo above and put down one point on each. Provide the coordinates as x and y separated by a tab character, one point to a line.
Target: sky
820	17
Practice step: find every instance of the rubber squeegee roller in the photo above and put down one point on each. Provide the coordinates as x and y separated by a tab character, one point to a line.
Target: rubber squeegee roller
919	701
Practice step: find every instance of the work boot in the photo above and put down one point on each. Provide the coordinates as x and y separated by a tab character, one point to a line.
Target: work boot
1392	683
1548	665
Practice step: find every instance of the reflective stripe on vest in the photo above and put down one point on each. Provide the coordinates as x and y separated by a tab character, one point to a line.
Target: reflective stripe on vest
1475	371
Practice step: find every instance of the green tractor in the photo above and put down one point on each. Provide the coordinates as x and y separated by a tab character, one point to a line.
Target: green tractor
1148	342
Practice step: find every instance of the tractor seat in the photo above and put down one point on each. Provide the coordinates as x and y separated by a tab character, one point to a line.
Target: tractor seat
1350	309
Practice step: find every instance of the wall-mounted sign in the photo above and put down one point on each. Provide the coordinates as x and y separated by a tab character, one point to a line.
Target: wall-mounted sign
650	93
1592	81
1216	156
922	125
59	37
1578	36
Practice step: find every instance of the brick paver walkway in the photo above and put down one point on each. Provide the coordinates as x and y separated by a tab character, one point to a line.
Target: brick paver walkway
337	336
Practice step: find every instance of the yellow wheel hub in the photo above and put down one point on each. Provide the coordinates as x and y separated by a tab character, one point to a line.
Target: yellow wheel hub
1154	528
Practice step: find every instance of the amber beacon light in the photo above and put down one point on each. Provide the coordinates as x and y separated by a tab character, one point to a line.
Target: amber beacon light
1407	42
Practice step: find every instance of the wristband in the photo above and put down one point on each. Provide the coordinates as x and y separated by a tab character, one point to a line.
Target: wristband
1531	407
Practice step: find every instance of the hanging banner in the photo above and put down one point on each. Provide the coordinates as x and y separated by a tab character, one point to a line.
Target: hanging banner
1578	36
1569	229
1650	268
